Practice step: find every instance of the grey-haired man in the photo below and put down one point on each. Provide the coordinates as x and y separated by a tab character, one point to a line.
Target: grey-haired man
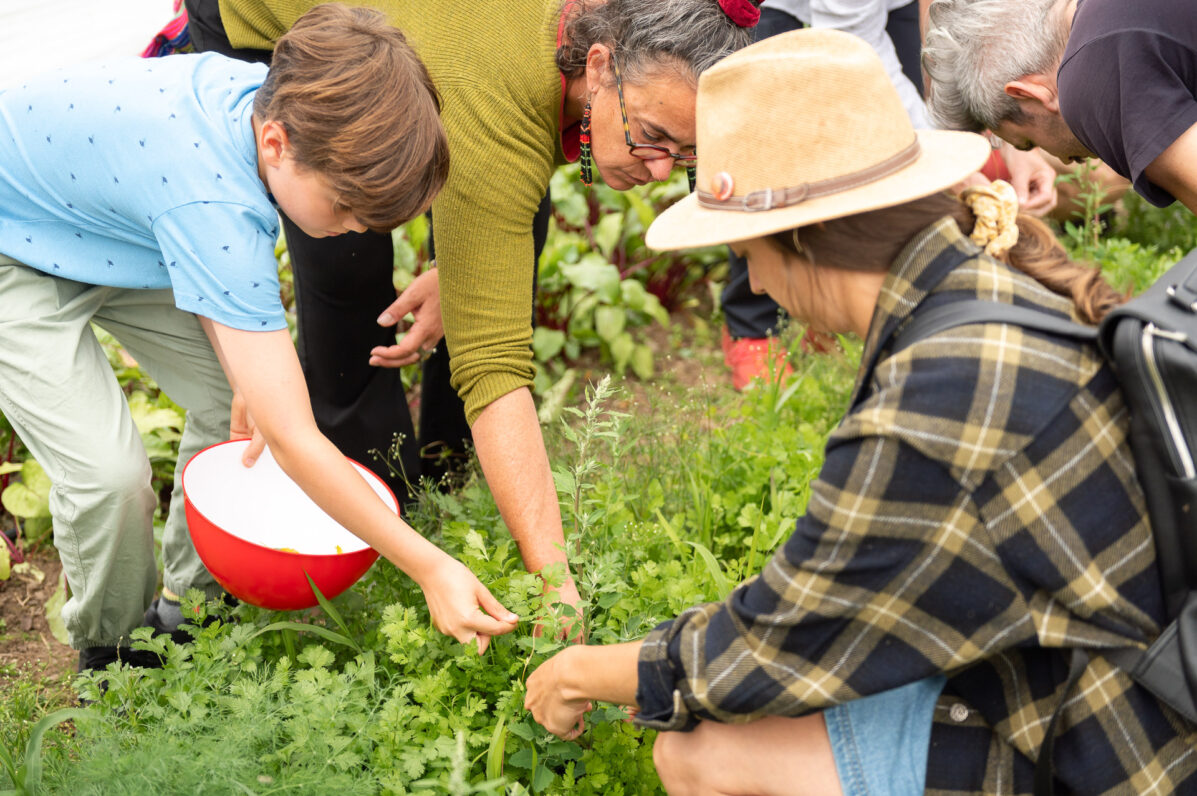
1079	78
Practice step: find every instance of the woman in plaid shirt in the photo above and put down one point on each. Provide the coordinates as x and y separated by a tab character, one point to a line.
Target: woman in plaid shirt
977	515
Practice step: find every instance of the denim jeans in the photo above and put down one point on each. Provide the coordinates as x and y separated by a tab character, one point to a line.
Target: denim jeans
880	742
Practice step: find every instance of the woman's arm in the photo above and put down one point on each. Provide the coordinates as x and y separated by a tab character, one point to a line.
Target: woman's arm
560	692
264	369
511	450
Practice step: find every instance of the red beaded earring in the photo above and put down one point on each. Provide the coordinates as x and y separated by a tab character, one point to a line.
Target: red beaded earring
584	159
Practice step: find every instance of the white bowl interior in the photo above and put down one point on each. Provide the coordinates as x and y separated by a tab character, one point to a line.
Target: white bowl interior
261	504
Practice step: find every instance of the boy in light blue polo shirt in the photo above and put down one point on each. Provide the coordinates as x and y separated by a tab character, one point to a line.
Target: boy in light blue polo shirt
141	196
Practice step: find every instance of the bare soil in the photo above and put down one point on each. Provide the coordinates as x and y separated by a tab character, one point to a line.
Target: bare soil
28	650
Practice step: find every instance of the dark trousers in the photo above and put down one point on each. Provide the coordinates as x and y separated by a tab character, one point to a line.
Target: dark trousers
750	315
341	285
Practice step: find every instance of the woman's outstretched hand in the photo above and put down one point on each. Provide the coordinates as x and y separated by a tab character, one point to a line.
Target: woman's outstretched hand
455	595
549	701
565	687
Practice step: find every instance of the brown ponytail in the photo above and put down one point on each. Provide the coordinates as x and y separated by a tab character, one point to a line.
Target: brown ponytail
1039	255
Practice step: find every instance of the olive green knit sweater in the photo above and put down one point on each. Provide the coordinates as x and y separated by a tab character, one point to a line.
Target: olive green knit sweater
492	61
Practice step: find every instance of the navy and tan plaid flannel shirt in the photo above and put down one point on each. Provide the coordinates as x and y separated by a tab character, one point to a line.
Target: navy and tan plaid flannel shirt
977	514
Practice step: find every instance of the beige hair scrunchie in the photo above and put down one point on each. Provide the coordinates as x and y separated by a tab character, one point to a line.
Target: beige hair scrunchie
996	208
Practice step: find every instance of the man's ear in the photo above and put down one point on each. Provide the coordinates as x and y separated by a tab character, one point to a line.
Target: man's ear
1035	88
598	62
272	142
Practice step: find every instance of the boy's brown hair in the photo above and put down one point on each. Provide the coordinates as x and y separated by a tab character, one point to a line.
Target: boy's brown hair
360	109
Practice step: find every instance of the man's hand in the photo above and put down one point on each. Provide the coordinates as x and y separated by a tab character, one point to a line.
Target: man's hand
572	628
423	300
1033	178
454	595
564	688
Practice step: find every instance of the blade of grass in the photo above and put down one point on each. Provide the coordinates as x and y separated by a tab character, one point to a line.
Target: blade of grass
289	642
750	565
331	611
791	388
494	754
782	529
303	627
721	581
33	752
669	531
10	766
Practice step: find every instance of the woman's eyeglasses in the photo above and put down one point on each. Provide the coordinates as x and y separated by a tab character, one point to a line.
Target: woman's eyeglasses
650	151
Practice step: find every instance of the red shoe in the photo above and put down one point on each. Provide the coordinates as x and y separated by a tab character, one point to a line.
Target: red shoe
754	357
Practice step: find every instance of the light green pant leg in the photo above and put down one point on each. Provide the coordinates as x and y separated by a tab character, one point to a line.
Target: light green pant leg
58	391
170	345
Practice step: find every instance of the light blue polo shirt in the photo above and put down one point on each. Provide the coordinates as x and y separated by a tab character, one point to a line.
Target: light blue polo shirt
142	173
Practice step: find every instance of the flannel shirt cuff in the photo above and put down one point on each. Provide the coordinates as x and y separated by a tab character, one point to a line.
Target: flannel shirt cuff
660	701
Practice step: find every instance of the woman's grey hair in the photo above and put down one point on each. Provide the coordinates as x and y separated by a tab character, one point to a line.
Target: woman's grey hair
690	35
973	48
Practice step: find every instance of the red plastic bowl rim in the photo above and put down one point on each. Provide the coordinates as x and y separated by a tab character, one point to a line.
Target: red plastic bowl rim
365	472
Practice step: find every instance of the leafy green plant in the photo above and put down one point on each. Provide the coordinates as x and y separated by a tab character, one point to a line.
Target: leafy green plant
1160	228
1084	238
1143	243
598	284
28	499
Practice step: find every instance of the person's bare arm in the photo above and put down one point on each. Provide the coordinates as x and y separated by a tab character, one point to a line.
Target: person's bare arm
511	451
1175	170
264	368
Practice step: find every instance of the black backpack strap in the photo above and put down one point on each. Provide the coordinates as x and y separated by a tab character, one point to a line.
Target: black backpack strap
961	313
1044	785
925	323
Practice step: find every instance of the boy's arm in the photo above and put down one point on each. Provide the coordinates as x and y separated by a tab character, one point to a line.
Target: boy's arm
264	369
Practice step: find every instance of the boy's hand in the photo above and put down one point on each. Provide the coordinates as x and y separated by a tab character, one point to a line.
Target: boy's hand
423	300
454	596
242	426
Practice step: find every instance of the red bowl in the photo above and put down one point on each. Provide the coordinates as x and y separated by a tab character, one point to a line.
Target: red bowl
240	518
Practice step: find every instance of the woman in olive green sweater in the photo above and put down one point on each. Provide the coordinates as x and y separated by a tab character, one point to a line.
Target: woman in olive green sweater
516	78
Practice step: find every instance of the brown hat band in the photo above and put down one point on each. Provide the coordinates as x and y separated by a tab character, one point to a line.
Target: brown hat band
773	198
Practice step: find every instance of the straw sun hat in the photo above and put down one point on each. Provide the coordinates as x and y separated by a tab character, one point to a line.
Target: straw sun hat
805	127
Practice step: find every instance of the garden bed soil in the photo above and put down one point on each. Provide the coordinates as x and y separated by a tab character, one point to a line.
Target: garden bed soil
28	650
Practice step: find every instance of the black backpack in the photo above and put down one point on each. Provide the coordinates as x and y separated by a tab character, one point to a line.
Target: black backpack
1151	343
